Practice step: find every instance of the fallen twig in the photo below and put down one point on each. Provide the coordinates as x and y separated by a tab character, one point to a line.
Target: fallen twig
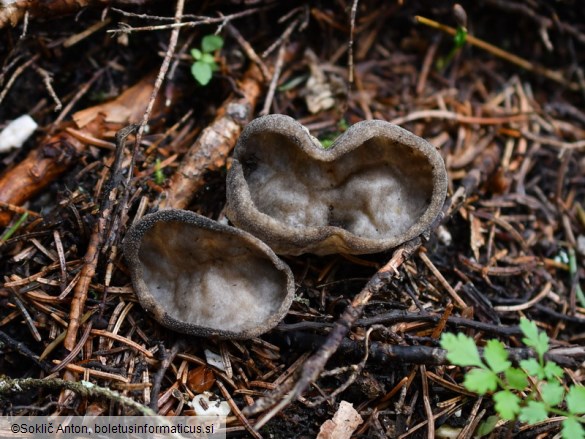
23	350
210	150
97	238
316	363
494	50
10	386
164	67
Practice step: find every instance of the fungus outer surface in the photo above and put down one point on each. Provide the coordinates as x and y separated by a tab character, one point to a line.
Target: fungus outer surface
204	278
376	187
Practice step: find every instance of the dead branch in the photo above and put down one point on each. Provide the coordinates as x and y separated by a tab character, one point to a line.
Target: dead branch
399	316
164	67
210	150
23	350
90	259
12	13
388	354
59	152
10	386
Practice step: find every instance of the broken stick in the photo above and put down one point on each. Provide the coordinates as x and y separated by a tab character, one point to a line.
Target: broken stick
212	147
97	238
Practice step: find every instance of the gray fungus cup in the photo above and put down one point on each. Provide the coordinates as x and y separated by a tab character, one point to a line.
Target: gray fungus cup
376	187
199	277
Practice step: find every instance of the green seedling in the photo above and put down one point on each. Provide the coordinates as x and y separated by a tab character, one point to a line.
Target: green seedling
204	65
159	176
327	141
530	393
459	40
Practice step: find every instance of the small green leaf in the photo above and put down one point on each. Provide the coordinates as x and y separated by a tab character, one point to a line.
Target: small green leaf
461	350
528	328
516	378
541	346
507	404
553	370
496	356
533	337
487	426
572	429
208	58
552	393
202	72
532	368
480	381
576	400
211	43
196	53
533	412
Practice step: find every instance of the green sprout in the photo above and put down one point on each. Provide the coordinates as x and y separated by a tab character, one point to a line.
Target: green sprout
529	393
204	65
459	40
327	140
159	176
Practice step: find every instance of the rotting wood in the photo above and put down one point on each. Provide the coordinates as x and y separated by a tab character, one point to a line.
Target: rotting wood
43	164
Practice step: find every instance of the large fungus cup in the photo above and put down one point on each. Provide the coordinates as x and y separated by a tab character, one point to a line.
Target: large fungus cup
375	188
199	277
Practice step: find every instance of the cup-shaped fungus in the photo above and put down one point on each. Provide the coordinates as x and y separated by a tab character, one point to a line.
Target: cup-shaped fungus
200	277
376	187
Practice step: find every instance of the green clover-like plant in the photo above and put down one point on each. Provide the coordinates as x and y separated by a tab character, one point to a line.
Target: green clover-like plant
204	65
494	374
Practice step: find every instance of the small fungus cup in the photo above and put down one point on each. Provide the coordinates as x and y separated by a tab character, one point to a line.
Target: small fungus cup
199	277
376	187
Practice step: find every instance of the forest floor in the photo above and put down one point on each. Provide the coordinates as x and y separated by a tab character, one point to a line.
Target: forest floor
503	102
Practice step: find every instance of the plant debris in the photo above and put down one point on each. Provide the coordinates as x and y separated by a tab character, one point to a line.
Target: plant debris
497	87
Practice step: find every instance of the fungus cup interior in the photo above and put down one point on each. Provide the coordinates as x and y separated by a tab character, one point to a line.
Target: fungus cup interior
198	276
370	191
377	186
